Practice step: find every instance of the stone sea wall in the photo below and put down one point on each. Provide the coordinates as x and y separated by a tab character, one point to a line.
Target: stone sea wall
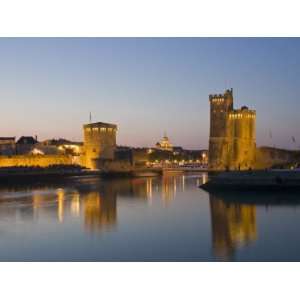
119	166
267	157
35	160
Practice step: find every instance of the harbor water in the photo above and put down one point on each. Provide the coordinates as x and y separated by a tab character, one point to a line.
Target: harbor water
164	218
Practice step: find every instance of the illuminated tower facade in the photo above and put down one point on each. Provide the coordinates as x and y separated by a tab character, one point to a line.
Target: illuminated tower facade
99	143
232	141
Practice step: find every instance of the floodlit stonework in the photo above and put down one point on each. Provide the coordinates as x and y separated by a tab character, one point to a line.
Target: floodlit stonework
99	143
232	142
99	147
35	160
164	144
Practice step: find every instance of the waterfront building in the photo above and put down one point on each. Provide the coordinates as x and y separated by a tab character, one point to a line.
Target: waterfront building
99	143
164	144
25	144
71	148
64	146
40	149
7	145
232	141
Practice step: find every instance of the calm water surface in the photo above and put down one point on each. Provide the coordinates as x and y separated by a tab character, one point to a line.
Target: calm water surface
145	219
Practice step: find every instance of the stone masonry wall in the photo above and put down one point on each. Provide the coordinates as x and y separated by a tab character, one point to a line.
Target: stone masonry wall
267	157
35	160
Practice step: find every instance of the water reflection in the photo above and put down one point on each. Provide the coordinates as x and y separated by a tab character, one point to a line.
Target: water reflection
100	210
93	200
60	204
161	218
233	225
75	204
234	218
169	188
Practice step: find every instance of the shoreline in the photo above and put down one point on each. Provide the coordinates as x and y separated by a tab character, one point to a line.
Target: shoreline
31	175
24	175
270	180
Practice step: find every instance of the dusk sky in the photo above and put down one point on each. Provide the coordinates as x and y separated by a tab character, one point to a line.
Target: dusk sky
147	86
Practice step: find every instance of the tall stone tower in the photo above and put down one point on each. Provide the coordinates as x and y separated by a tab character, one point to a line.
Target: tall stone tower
99	143
232	134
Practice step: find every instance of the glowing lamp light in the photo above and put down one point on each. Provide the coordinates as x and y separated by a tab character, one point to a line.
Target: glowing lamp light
36	151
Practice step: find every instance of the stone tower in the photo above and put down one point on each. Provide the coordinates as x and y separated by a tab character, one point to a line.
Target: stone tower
99	143
232	134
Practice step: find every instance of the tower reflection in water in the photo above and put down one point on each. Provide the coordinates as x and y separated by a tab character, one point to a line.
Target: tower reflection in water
95	205
100	210
233	225
91	200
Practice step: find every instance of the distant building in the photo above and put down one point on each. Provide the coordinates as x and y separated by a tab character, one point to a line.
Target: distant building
72	148
164	144
27	140
25	144
200	156
7	145
39	149
232	142
99	143
55	142
177	150
64	146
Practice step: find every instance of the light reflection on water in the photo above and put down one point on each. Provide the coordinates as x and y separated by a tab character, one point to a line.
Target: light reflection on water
145	219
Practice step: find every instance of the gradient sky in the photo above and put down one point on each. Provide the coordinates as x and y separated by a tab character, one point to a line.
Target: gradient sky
147	86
